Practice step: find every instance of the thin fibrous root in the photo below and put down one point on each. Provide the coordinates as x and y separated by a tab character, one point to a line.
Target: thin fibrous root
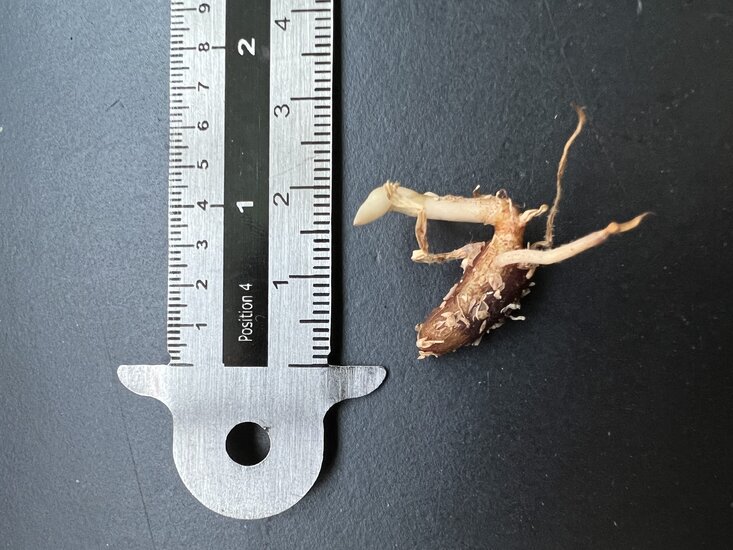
555	255
550	227
466	252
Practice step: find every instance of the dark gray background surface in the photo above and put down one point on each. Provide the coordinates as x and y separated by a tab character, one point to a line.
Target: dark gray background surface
602	421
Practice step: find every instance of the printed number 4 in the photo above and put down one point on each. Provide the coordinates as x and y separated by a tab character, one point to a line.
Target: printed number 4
249	45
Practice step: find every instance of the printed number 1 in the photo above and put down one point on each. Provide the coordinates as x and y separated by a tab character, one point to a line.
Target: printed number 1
248	44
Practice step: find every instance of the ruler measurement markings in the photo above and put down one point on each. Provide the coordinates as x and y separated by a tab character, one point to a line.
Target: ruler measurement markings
190	104
321	111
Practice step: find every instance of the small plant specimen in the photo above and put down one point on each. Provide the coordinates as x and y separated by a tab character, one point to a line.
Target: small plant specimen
497	273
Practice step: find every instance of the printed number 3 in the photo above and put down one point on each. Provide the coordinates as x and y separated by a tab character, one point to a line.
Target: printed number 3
249	45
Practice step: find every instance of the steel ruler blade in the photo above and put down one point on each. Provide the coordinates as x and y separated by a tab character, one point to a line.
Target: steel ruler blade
250	251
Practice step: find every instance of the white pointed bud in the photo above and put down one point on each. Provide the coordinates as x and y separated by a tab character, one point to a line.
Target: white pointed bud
376	205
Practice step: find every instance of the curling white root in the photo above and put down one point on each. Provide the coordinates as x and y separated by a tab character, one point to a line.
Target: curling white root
555	255
529	215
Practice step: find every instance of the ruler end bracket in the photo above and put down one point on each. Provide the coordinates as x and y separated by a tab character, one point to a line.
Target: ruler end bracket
352	382
145	380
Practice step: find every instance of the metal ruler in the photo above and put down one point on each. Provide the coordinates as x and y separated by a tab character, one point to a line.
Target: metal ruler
250	251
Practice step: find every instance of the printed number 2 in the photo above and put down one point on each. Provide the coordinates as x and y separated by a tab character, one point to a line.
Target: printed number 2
278	199
248	44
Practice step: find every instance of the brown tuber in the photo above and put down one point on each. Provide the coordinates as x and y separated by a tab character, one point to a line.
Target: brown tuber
497	273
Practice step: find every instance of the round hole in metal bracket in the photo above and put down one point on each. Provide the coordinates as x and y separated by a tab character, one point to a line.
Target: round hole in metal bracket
248	444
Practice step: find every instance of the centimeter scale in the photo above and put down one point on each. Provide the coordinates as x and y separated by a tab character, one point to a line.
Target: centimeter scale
250	240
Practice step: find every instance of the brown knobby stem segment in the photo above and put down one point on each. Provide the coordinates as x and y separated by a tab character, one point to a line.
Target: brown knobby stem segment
496	274
480	300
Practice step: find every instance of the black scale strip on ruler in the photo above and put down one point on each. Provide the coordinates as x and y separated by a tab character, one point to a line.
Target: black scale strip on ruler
246	181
